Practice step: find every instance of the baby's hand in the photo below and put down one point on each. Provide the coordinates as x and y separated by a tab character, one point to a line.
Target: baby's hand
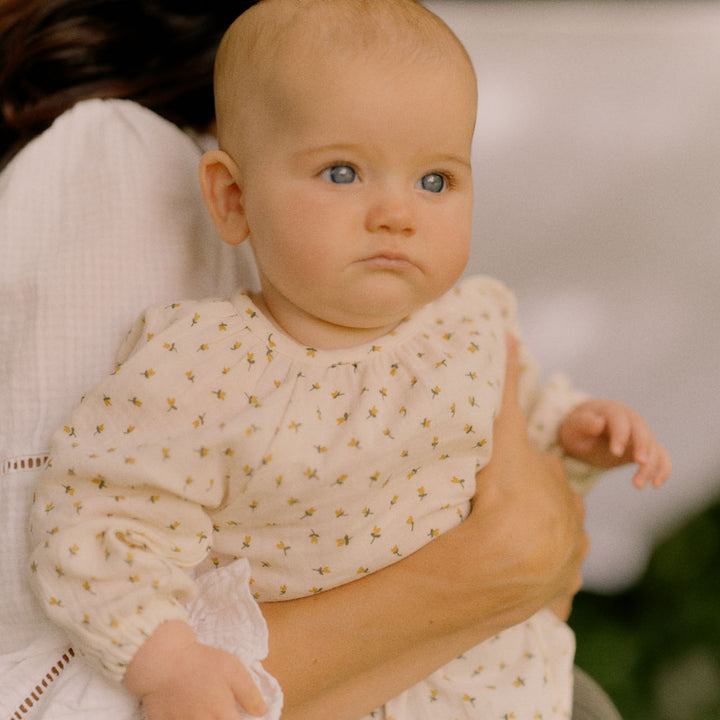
607	434
178	678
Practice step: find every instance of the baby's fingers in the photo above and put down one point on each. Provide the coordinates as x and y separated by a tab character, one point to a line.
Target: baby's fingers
653	460
664	467
246	692
622	430
655	468
588	422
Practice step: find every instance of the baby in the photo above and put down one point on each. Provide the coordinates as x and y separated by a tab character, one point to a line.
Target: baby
332	423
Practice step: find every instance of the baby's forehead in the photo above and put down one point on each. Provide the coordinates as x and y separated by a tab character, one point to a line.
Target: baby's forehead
278	46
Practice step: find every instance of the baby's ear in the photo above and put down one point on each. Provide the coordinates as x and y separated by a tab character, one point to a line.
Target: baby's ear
221	189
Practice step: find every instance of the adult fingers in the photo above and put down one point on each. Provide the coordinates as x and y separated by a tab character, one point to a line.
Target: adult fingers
510	422
512	371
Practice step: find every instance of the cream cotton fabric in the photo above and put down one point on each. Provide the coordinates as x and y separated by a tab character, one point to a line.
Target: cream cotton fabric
217	438
100	216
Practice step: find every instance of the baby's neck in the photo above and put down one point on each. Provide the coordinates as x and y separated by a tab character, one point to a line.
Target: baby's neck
316	333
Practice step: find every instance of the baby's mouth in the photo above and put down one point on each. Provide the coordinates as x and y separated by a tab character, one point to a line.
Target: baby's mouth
390	261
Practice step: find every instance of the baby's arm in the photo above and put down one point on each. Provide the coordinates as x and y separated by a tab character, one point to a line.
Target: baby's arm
122	575
599	433
608	434
119	519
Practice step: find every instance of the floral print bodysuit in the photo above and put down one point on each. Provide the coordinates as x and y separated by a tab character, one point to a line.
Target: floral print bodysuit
219	438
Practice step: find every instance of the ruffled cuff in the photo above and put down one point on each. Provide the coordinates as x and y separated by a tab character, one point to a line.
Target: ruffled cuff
226	616
556	400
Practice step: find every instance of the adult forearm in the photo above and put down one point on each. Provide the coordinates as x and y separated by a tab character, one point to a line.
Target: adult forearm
343	653
357	696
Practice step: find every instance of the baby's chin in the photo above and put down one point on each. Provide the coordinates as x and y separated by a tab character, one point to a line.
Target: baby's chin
388	298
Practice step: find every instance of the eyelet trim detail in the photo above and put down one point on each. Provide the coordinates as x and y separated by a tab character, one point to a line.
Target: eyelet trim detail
23	462
34	696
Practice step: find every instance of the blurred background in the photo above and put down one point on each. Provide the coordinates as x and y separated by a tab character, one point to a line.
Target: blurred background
597	180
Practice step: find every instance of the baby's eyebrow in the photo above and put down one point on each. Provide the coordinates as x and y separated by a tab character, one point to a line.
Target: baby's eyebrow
455	159
338	148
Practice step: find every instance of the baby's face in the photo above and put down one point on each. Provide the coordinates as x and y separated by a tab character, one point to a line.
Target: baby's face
358	191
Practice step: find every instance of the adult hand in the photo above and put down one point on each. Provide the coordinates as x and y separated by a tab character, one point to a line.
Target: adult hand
530	512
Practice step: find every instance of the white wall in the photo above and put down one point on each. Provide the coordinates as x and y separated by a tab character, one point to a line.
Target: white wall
597	170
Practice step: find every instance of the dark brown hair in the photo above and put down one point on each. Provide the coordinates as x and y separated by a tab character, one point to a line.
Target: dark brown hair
54	53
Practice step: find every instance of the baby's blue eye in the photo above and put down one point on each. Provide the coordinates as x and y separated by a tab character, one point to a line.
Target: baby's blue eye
340	174
433	182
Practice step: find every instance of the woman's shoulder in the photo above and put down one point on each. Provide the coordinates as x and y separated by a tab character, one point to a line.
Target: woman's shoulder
117	127
123	113
112	122
95	148
97	130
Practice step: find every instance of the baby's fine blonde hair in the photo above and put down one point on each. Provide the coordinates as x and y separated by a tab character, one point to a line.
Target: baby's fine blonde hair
292	36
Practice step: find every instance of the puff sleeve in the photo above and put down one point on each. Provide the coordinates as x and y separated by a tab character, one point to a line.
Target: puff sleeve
116	525
545	403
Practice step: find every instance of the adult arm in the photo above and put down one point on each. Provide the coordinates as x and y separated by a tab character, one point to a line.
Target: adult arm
340	654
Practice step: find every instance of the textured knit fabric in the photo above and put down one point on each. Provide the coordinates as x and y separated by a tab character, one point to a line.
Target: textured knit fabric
217	437
100	216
